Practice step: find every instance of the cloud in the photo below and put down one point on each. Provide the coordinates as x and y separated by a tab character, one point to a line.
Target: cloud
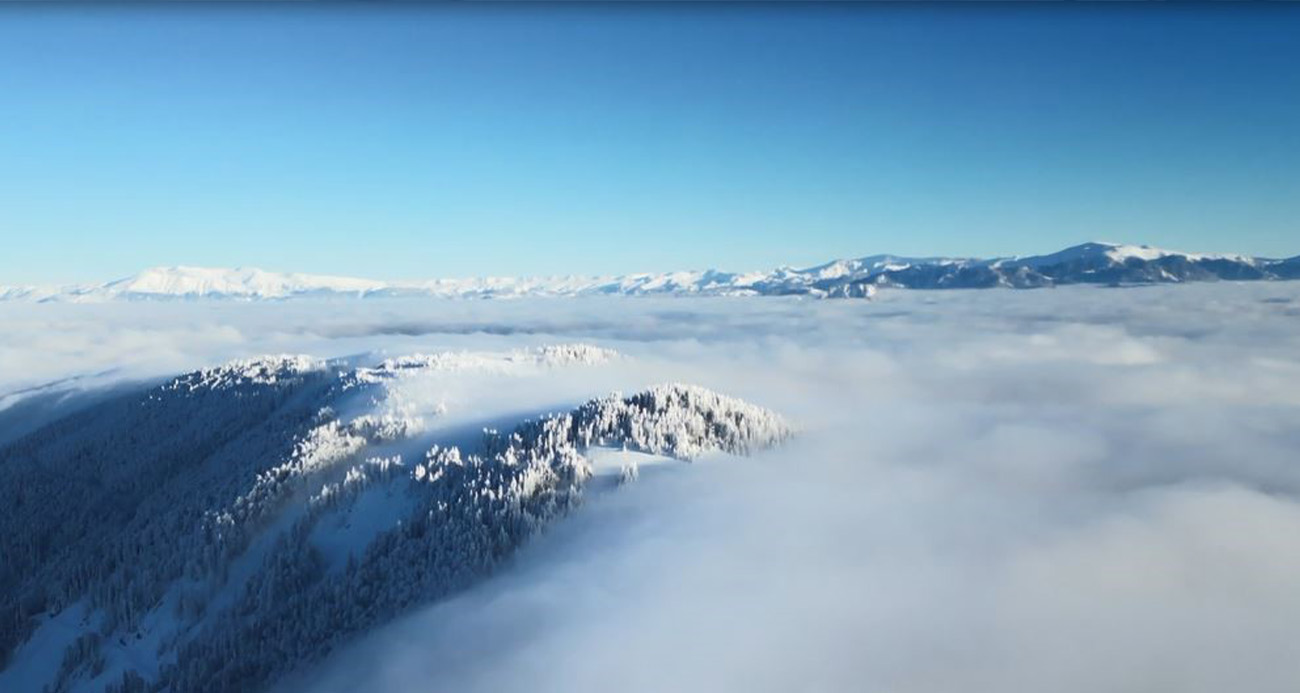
1073	490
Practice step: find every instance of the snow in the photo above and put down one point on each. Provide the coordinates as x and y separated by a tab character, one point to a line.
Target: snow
617	466
183	282
1119	253
37	661
548	356
263	370
239	282
347	532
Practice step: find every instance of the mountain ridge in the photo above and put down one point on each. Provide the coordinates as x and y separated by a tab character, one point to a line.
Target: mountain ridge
1093	262
215	531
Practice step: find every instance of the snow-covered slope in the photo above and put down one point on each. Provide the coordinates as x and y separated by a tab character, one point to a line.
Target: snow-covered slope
212	532
1088	263
171	283
251	283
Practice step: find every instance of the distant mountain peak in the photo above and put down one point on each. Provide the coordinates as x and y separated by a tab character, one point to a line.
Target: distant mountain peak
186	281
1093	262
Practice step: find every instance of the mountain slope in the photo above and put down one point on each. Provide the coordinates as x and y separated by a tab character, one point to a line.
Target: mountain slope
212	532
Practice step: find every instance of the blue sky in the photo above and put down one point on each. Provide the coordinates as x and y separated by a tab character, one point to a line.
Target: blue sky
460	141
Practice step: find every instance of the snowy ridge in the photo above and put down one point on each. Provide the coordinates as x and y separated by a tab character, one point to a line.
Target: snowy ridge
266	370
1120	253
549	356
255	283
231	524
1088	263
191	283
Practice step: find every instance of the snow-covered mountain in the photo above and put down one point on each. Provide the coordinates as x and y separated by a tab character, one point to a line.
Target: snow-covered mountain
171	283
1088	263
215	531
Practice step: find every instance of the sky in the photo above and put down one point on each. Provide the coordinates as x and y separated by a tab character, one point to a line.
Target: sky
448	141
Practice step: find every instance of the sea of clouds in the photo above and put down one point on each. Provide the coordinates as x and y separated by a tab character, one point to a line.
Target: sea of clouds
1079	489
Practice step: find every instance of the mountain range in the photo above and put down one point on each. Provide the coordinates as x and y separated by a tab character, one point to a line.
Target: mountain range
1088	263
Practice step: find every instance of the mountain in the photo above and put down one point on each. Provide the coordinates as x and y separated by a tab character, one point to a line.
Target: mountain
1088	263
212	532
188	283
251	283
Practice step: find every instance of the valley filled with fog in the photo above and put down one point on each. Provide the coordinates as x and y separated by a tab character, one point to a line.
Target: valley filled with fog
1070	489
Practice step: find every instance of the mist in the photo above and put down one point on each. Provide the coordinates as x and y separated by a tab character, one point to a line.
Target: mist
1073	490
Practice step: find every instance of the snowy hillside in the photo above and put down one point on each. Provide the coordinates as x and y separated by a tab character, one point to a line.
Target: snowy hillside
1089	263
167	283
214	531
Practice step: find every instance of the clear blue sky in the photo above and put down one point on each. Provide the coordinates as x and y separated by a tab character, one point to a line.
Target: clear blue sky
459	141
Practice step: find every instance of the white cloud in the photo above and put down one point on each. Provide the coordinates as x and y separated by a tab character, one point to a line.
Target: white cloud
1072	490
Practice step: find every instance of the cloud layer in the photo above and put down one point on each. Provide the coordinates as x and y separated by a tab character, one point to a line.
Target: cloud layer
1071	490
